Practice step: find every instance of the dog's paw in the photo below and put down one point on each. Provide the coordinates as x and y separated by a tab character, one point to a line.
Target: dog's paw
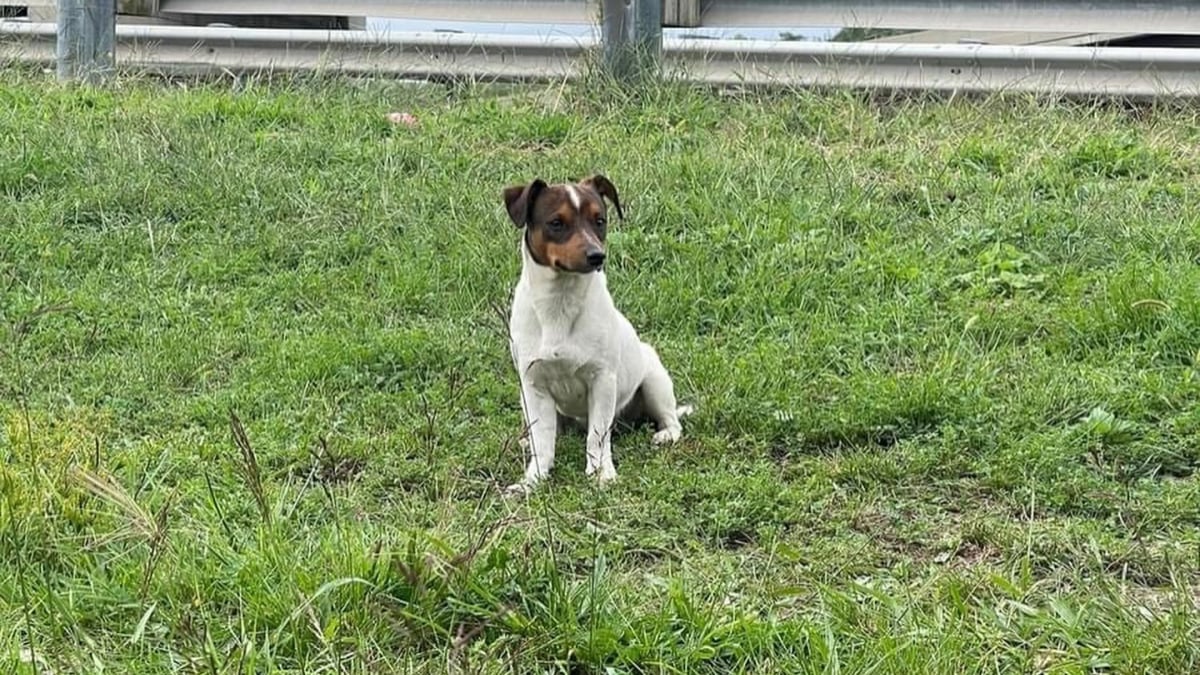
684	410
606	476
668	435
516	490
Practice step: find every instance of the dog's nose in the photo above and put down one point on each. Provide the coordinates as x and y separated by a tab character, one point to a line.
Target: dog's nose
595	258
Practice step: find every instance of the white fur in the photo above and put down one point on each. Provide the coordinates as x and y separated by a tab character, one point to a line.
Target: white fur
574	194
578	356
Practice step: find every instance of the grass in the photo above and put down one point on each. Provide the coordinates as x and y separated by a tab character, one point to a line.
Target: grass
256	404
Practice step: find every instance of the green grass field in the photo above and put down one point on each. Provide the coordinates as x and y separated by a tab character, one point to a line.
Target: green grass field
944	356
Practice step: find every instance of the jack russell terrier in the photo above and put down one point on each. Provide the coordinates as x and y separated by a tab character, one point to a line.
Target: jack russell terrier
576	355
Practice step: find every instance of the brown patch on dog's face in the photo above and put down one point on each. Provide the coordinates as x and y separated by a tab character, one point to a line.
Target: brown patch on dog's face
565	224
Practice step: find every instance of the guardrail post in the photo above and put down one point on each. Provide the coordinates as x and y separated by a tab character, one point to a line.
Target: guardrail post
87	33
682	13
632	35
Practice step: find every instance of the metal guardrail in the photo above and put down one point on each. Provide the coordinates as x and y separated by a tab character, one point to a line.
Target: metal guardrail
1117	71
1085	16
416	55
1111	71
1091	16
538	11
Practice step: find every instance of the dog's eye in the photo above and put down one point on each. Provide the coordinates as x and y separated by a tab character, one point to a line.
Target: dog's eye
556	224
601	223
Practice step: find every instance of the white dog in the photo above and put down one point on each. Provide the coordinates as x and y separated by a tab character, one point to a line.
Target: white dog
576	355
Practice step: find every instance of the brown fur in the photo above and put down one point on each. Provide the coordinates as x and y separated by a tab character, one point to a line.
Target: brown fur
559	235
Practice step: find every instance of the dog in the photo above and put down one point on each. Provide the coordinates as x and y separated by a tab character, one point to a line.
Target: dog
576	355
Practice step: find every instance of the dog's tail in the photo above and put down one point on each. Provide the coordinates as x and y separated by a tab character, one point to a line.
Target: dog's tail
684	410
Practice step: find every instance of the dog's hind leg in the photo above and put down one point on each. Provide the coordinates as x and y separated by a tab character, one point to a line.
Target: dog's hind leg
658	397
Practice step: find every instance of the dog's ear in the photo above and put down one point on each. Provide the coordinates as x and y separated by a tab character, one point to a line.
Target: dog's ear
606	189
519	200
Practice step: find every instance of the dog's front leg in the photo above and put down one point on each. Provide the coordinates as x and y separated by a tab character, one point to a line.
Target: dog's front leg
602	404
541	419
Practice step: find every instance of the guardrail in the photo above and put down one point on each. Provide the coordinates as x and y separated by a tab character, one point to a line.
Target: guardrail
1093	16
1119	71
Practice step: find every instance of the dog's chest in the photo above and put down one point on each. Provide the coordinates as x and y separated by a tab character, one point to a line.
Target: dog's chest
560	362
565	382
557	350
553	324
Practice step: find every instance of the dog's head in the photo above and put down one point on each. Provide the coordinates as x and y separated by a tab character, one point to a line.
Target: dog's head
566	223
